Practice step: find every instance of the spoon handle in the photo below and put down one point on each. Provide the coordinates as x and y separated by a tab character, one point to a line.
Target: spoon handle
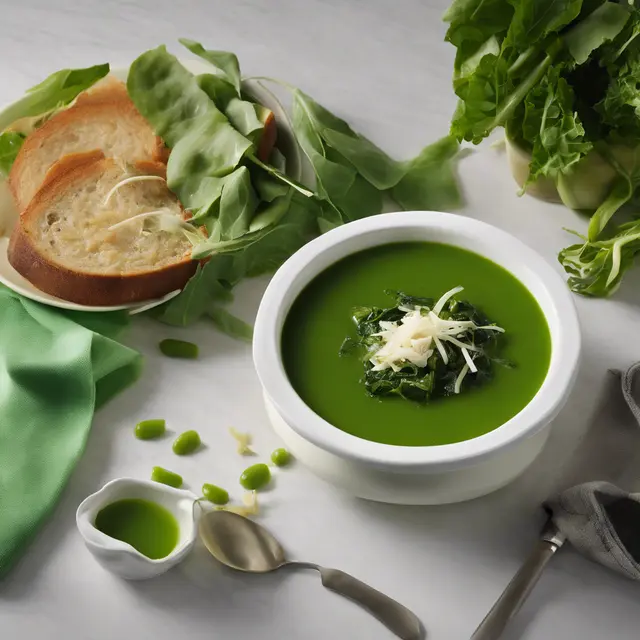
392	614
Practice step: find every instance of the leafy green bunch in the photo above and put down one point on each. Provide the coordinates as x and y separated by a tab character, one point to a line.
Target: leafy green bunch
562	77
438	378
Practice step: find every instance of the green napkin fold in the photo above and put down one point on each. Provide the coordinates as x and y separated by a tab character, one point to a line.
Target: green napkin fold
56	368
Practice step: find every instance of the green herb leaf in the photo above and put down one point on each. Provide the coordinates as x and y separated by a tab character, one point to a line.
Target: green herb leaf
200	294
294	229
272	213
333	179
10	144
230	324
238	204
56	91
430	181
248	118
226	62
268	187
203	142
218	89
300	188
372	163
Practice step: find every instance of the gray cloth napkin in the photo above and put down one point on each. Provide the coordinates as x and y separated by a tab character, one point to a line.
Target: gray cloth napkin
600	520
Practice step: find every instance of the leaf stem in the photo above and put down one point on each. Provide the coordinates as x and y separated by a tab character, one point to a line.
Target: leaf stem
507	109
282	83
281	176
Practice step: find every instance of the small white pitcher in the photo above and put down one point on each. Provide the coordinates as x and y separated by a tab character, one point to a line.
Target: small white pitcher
120	557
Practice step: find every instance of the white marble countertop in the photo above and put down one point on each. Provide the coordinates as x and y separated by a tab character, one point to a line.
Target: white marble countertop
382	65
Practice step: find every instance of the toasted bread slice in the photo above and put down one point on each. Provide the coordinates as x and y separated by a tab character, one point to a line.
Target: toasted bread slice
66	243
103	118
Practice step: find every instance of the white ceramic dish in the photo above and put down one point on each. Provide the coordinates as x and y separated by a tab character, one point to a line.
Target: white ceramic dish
121	558
8	216
418	475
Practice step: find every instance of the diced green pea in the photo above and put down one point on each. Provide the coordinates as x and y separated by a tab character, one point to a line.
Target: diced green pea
215	494
186	443
255	477
178	349
281	457
149	429
164	476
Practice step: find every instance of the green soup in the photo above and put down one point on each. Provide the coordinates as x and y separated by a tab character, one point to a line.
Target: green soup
329	384
146	526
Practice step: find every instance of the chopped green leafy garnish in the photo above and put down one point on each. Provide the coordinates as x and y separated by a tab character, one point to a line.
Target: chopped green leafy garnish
419	350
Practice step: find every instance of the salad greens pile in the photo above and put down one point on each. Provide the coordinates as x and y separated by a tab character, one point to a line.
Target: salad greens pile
255	215
247	215
563	78
447	366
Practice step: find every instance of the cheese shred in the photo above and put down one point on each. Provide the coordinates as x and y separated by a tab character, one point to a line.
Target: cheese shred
416	336
126	181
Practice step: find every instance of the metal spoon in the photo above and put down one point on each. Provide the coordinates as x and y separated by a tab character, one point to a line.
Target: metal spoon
243	545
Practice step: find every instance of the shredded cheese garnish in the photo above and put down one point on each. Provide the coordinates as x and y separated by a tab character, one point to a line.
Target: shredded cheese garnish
249	506
243	440
141	216
126	181
460	378
416	336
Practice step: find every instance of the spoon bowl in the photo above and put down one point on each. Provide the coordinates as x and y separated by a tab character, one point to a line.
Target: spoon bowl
240	543
244	545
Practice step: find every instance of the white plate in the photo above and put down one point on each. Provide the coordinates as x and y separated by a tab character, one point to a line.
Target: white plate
8	216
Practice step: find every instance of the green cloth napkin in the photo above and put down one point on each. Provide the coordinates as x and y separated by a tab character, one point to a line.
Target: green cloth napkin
56	368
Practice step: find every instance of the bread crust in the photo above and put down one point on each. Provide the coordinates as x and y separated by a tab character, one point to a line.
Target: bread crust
107	103
92	289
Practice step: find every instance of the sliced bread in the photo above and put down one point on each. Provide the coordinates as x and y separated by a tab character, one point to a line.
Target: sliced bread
68	245
102	118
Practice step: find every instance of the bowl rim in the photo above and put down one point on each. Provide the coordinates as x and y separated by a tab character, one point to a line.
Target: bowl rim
543	407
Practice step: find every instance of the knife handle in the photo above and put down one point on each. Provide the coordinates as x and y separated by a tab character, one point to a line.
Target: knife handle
518	590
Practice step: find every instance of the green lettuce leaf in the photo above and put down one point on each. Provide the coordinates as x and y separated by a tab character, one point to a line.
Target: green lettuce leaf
56	91
601	26
553	128
474	25
481	96
10	145
620	107
596	268
534	20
